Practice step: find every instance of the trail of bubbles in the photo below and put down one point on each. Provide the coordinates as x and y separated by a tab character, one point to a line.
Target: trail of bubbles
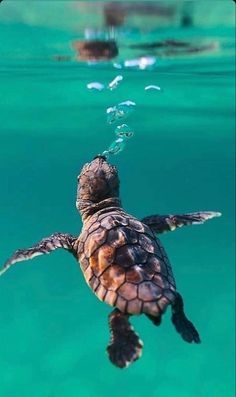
120	111
96	86
114	114
123	132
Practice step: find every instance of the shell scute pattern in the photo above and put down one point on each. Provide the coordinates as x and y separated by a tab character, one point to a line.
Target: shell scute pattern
148	291
117	237
122	304
163	303
94	282
109	222
88	273
151	308
135	275
111	297
135	306
84	263
136	225
129	255
146	243
154	266
125	265
92	244
122	220
93	227
148	276
83	236
113	277
128	291
102	259
131	235
158	280
101	292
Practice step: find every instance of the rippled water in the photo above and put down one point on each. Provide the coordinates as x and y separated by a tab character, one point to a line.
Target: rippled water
53	329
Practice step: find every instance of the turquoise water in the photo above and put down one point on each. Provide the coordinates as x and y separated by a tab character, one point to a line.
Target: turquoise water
53	329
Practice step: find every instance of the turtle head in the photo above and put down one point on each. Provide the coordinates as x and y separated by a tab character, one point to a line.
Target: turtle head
98	182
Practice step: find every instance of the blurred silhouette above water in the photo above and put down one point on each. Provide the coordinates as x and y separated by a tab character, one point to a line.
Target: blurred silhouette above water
115	12
103	31
92	50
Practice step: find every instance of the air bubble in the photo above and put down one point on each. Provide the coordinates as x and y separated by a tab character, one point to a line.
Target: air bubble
117	146
95	86
120	111
117	65
127	103
106	153
152	88
124	131
113	115
115	82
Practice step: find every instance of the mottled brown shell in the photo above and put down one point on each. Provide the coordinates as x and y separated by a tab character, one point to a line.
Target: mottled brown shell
125	264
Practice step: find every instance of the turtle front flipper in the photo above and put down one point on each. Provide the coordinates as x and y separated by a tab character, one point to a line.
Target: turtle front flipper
166	223
45	246
182	325
125	346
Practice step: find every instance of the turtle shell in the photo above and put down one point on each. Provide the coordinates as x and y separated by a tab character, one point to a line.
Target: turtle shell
125	264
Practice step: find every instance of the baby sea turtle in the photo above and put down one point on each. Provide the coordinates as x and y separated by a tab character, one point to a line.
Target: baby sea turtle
122	259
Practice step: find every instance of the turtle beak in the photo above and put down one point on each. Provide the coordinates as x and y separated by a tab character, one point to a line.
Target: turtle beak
99	161
102	158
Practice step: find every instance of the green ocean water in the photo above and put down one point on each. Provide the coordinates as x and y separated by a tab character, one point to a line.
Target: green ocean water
53	329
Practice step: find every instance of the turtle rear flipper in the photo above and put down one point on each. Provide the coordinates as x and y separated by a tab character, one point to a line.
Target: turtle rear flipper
125	346
182	325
